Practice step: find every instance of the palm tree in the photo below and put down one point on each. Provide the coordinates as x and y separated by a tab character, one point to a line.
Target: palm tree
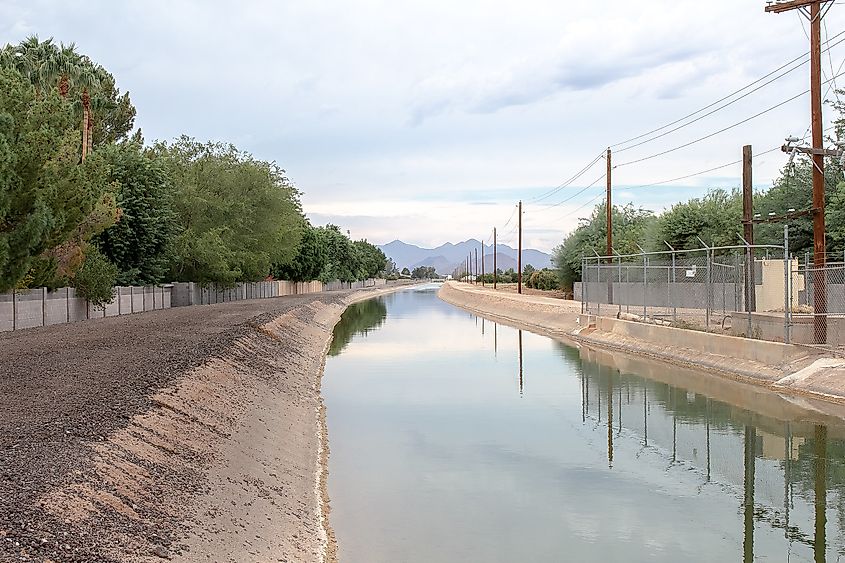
87	79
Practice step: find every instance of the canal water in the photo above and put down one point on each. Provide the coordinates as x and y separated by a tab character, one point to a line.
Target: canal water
454	439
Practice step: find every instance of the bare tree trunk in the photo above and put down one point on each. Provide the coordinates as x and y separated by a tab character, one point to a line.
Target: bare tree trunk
90	133
85	120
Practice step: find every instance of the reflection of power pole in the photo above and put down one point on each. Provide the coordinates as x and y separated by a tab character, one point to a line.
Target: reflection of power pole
820	474
748	502
520	363
813	10
707	432
610	420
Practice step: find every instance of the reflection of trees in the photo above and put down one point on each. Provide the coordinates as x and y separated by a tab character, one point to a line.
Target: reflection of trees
359	318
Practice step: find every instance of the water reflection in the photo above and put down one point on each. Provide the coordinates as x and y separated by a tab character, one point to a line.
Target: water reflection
801	459
359	318
660	464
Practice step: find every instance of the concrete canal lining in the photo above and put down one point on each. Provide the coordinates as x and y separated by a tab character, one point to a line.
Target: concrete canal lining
769	364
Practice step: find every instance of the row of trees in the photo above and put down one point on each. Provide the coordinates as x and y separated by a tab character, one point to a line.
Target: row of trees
716	218
84	201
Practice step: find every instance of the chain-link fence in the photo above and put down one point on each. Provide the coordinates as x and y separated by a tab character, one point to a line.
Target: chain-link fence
818	314
742	290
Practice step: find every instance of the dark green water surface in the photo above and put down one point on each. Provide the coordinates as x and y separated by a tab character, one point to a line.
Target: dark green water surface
454	439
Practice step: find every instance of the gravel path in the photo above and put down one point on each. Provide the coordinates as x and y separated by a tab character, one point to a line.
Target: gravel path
65	389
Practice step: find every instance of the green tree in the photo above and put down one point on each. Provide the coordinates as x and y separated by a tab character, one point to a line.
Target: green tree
424	273
631	226
309	261
340	255
371	261
716	218
406	272
106	115
95	280
238	216
47	201
139	242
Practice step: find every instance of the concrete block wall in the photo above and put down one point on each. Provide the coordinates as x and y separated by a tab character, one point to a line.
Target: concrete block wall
30	308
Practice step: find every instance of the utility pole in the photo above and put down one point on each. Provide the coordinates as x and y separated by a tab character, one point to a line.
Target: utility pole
748	226
609	223
812	9
519	257
482	264
495	253
476	266
609	206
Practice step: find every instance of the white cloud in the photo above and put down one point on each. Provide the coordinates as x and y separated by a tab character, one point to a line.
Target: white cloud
420	108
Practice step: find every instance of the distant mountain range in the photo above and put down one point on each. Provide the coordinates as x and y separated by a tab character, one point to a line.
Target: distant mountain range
446	257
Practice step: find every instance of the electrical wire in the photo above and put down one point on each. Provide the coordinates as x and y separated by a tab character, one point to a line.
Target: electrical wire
715	133
573	196
568	182
720	108
720	100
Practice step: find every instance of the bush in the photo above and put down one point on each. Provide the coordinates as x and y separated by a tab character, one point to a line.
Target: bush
95	278
543	279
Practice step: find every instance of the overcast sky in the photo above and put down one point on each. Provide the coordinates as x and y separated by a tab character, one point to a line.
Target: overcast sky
426	121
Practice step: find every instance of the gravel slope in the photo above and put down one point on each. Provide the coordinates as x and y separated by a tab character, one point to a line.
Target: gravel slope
70	393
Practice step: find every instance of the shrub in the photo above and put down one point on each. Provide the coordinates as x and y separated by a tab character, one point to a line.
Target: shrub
95	278
543	279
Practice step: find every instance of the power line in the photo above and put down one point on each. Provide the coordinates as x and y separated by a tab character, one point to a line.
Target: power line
573	196
710	135
720	108
568	182
720	100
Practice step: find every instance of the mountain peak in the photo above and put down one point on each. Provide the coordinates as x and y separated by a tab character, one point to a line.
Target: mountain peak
448	256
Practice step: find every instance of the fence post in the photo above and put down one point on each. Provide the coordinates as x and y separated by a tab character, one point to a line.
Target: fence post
645	286
67	304
645	280
14	308
787	297
750	288
807	278
598	282
43	306
584	277
619	288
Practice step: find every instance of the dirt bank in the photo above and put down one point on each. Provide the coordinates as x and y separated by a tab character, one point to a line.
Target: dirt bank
790	369
191	434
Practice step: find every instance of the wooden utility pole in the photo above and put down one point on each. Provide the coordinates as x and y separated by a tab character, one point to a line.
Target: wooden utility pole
495	252
519	257
609	206
812	9
748	227
476	266
482	264
609	223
